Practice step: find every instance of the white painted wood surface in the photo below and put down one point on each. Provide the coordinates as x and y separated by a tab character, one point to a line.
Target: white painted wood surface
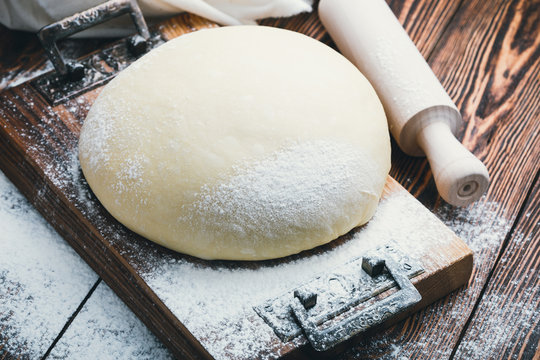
43	283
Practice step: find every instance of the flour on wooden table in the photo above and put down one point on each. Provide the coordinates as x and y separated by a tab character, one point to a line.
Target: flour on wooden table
105	328
483	229
42	280
215	301
480	225
513	310
308	185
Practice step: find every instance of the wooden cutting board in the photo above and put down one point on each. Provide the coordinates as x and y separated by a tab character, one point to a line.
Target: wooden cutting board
200	309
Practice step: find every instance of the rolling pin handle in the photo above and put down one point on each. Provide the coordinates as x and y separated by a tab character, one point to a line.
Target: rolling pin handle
460	177
421	115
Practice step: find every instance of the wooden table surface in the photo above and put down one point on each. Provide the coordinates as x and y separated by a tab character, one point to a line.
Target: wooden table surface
487	56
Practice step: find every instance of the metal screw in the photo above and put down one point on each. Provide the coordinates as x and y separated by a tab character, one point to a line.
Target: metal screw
373	266
137	45
307	298
75	71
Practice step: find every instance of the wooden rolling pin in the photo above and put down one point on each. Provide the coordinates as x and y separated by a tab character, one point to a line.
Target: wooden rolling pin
421	116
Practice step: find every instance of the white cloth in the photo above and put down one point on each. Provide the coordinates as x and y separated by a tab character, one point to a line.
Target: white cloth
31	15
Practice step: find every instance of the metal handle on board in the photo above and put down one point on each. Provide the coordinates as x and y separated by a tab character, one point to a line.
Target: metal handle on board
376	314
51	33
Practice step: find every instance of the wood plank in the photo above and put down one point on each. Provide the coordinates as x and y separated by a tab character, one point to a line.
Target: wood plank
506	321
489	61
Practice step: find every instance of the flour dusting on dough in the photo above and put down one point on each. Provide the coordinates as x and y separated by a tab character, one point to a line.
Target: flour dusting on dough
130	174
240	160
306	186
94	145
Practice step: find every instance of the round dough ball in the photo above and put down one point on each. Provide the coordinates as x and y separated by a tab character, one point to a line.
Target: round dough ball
241	143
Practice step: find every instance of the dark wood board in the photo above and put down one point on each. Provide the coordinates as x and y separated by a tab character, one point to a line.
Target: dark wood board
38	147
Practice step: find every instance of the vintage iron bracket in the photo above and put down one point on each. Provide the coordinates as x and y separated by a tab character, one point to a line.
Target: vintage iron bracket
72	78
49	34
331	298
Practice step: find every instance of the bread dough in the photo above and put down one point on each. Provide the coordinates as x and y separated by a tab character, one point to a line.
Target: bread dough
243	143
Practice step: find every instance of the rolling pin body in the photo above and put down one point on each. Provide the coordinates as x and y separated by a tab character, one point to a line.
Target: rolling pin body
421	116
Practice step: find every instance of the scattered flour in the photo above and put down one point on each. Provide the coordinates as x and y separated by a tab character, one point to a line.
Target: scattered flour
306	188
513	309
480	225
214	299
42	280
105	328
484	229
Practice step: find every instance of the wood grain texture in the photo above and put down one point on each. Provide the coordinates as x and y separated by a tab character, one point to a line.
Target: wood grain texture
489	61
424	21
506	322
